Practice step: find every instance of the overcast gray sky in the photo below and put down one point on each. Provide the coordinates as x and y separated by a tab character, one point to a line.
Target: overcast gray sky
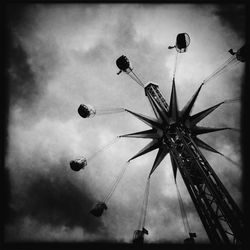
64	55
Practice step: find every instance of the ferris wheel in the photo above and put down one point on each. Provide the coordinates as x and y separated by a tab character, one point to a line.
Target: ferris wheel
176	132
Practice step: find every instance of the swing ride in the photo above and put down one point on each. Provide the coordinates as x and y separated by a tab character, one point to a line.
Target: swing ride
175	132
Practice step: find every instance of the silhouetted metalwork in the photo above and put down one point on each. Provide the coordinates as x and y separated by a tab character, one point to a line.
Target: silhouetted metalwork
175	132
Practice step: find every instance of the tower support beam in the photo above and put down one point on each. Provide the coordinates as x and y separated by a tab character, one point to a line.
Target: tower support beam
219	214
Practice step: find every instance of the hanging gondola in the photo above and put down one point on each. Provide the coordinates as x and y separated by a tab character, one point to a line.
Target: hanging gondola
138	237
86	111
190	239
78	164
81	163
101	206
241	54
123	64
99	209
181	43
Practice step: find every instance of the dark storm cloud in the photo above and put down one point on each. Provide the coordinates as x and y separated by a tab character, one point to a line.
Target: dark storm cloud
20	76
7	193
52	199
16	15
28	66
173	205
90	41
233	15
22	87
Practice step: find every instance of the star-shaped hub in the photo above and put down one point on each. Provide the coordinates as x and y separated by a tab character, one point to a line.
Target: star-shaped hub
168	119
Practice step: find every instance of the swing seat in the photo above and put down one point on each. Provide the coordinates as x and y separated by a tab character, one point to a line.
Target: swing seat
145	231
78	164
190	240
182	42
139	236
86	111
99	209
123	64
241	54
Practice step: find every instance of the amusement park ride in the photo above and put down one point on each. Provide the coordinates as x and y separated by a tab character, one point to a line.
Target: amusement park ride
175	132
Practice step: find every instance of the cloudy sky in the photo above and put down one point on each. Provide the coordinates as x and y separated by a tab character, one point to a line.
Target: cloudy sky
60	56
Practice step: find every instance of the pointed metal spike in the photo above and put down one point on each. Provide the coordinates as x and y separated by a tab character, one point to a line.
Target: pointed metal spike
149	147
174	165
151	133
202	144
189	106
149	121
173	107
196	130
161	113
162	152
201	115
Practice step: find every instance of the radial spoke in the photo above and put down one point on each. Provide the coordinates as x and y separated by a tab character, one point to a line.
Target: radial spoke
201	115
189	106
202	144
203	130
149	147
162	152
151	133
149	121
173	107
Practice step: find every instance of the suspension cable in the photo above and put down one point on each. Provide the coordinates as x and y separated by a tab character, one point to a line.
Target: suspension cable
221	68
113	141
175	64
235	129
232	100
116	182
143	214
183	212
146	203
230	160
136	78
110	111
226	68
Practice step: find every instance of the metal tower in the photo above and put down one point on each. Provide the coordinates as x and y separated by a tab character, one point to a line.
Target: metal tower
175	132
